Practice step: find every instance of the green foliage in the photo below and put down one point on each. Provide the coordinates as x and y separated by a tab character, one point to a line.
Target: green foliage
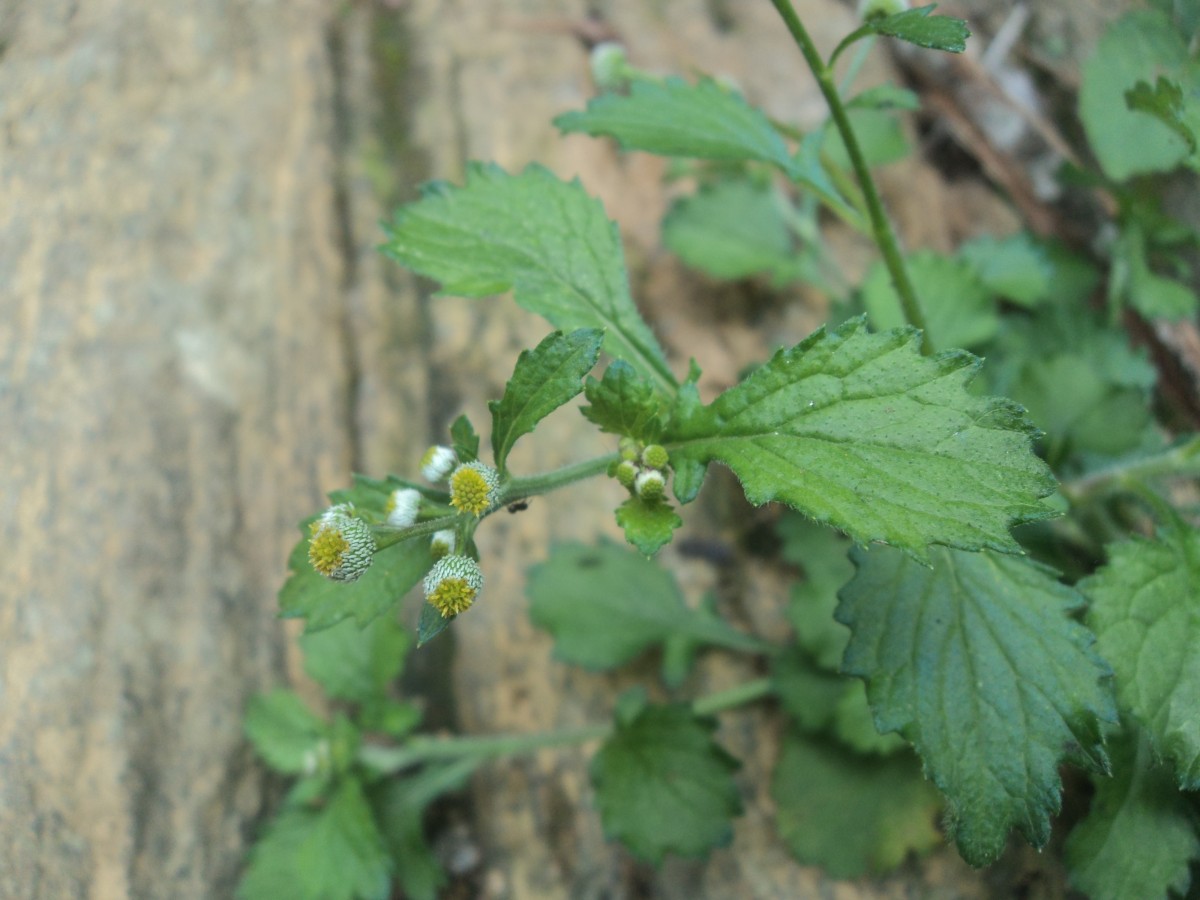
332	853
545	239
545	378
976	661
284	731
918	26
1015	268
1165	101
662	784
848	815
1139	837
1139	47
622	402
733	229
1145	610
605	605
353	663
861	432
648	524
464	440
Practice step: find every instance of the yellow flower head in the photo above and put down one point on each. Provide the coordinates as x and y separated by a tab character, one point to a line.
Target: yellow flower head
342	546
474	488
453	584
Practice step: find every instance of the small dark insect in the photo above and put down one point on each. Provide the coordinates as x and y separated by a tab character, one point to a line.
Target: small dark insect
519	506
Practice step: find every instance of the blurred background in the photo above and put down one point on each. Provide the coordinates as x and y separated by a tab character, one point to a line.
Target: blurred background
198	340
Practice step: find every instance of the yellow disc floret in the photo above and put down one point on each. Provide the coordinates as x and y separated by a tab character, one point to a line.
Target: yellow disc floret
474	488
342	546
453	584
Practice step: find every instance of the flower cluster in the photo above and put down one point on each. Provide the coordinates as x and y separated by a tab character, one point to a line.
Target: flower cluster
474	488
341	545
453	584
643	469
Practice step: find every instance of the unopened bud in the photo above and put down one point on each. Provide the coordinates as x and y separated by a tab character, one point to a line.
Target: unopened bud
650	485
438	462
402	507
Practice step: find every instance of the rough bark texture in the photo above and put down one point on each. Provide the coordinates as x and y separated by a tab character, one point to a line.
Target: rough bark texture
197	340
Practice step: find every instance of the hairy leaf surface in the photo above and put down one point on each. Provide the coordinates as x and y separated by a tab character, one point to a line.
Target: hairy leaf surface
545	239
860	431
623	402
544	379
977	662
1145	610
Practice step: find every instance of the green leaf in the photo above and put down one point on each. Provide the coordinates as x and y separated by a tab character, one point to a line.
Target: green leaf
623	402
335	853
605	605
808	693
959	310
977	662
399	805
822	554
284	731
1164	101
918	26
544	379
663	786
1145	610
885	96
431	623
850	815
732	229
1015	267
353	663
1139	836
464	439
854	725
545	239
322	603
648	525
673	118
861	432
880	137
1138	47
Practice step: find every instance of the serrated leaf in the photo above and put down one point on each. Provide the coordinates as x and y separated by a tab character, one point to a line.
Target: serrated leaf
464	439
918	26
353	663
850	815
1139	46
284	731
732	229
1145	610
1139	837
335	853
673	118
977	662
322	603
545	239
399	805
860	431
544	379
959	310
1015	267
648	525
604	605
1165	101
854	725
623	402
663	786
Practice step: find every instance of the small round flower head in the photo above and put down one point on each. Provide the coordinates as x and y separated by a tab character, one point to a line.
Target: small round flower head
627	473
438	462
453	584
402	507
610	66
629	448
474	488
655	456
341	547
442	543
650	485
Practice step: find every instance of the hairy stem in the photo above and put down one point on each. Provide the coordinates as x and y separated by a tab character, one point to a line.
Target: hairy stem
884	235
423	749
532	485
1181	460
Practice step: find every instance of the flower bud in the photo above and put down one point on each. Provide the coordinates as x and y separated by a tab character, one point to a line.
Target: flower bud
474	488
442	543
610	66
655	457
650	485
878	9
438	462
453	584
626	473
342	546
402	507
629	448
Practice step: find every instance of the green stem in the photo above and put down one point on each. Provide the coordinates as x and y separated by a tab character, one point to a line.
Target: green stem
424	749
531	486
885	236
1181	460
388	535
